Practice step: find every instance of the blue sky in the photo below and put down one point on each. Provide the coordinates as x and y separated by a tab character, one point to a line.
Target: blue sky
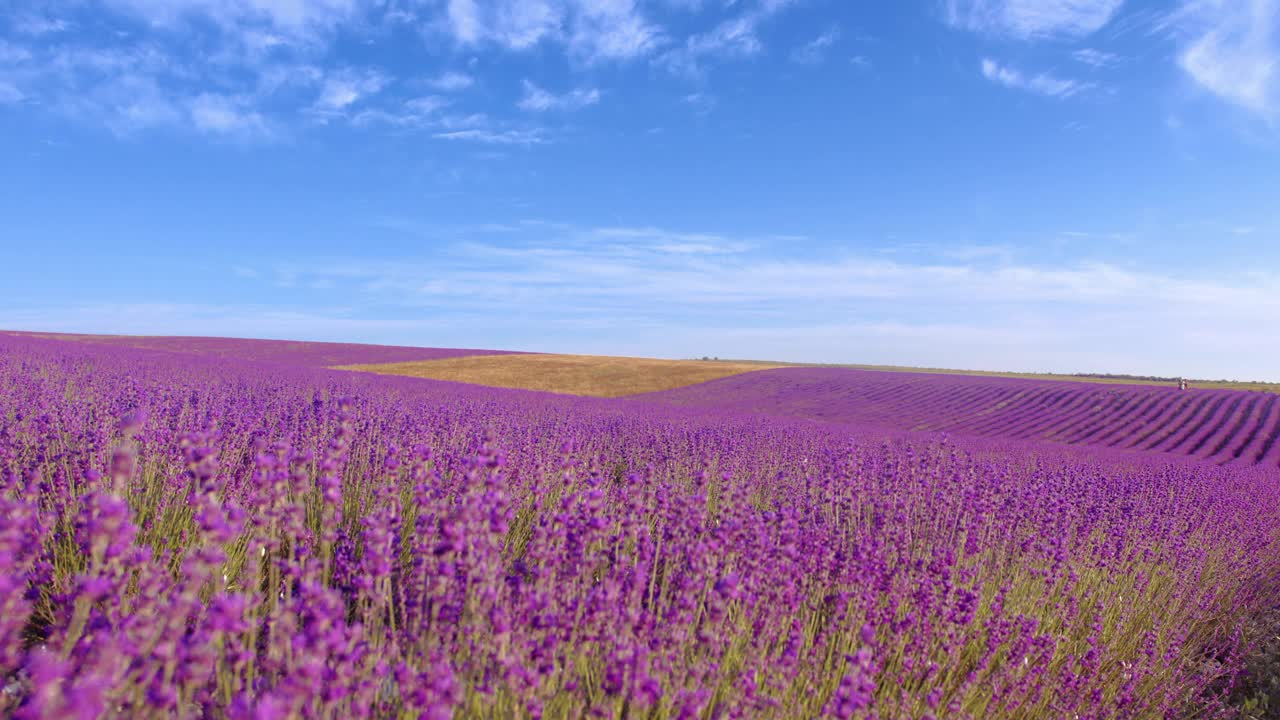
1065	185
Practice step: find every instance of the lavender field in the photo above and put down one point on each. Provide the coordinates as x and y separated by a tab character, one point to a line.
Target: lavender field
1224	426
197	534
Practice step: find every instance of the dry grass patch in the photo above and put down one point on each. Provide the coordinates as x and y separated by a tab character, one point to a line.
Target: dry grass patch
595	375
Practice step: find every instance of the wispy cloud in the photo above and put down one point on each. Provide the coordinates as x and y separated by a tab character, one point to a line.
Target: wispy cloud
451	81
731	38
131	86
536	99
977	304
11	54
592	30
34	24
1040	84
346	87
496	137
813	52
1233	50
701	102
513	24
276	59
1031	19
735	37
649	262
296	20
127	103
265	67
661	240
225	115
1096	58
611	30
10	94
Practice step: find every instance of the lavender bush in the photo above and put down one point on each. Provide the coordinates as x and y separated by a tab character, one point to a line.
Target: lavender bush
188	536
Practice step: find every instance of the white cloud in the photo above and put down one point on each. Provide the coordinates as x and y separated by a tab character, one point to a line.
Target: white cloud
611	30
295	18
495	137
591	30
659	240
1234	51
463	121
521	24
1031	19
812	52
736	37
347	87
219	66
464	18
1041	84
537	99
972	306
77	63
451	81
126	103
39	25
127	89
1096	58
220	114
10	94
702	103
732	38
283	77
204	65
11	54
427	104
416	113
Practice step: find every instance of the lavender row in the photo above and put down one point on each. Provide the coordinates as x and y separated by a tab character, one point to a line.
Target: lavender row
1223	426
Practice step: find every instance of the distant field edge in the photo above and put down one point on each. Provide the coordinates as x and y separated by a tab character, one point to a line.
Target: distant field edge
302	353
586	375
398	360
1099	378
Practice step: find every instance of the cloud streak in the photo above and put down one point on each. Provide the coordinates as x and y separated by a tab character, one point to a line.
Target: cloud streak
451	81
814	51
736	37
1233	51
267	68
1031	19
347	87
495	137
591	30
1040	84
693	293
536	99
225	115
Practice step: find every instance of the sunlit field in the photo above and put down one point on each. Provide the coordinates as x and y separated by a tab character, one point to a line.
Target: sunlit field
186	534
591	375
